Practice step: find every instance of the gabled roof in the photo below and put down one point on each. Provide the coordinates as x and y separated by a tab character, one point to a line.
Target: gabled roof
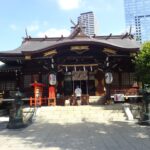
33	45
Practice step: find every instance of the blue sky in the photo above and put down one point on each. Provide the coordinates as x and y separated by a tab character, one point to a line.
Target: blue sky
52	17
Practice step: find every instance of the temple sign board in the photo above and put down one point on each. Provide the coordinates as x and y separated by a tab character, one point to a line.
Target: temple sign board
79	75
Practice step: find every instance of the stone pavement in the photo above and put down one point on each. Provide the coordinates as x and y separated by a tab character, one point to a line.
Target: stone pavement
83	135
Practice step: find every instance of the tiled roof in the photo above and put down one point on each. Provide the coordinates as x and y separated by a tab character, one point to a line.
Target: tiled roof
39	44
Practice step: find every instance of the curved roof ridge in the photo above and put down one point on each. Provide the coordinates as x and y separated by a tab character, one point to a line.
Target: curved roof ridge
40	44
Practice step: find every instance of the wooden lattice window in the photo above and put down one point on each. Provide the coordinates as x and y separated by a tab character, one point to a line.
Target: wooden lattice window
45	79
125	79
7	85
27	80
132	78
115	79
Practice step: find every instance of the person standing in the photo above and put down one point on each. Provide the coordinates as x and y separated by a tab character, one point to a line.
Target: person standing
78	93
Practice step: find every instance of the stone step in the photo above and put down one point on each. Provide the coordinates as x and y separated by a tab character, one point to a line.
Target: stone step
75	114
114	107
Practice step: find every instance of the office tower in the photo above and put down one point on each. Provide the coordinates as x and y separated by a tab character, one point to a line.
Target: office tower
87	21
137	14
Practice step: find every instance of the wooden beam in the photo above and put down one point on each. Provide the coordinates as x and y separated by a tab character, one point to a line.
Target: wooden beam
79	65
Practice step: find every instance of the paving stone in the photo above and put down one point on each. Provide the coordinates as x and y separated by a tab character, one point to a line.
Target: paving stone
76	128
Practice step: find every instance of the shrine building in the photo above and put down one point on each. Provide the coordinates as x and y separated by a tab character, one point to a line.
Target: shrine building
99	65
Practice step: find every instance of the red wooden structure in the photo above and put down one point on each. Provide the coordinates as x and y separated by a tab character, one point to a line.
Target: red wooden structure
52	96
38	100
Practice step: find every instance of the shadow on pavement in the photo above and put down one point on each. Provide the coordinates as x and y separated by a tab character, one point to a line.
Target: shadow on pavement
84	136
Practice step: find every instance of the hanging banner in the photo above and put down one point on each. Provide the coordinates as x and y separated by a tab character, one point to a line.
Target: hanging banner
79	75
52	79
108	77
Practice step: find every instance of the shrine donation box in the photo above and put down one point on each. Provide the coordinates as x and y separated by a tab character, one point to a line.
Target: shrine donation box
38	92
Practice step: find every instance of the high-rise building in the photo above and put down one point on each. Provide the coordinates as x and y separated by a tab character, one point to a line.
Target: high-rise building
137	14
87	21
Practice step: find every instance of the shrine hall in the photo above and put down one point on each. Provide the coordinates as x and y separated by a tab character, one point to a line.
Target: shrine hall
47	70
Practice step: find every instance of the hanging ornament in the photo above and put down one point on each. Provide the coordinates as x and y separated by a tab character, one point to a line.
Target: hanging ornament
52	65
52	79
66	69
84	68
91	68
52	60
75	69
108	77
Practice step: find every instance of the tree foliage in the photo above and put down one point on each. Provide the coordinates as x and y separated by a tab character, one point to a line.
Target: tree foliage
142	64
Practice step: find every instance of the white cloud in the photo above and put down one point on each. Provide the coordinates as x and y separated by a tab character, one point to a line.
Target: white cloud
69	4
33	27
52	32
13	27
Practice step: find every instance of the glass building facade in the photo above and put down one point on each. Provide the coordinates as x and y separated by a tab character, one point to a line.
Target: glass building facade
137	14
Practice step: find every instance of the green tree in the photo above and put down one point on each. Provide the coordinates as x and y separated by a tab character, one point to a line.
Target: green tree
142	64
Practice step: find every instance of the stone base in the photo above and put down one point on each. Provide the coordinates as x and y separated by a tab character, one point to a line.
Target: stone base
145	123
16	124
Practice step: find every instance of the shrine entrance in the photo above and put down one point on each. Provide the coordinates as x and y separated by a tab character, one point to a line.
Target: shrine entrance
82	84
86	80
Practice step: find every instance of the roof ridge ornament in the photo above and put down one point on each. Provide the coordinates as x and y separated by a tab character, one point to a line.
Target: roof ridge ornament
108	36
46	36
131	36
77	31
26	32
125	35
61	38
